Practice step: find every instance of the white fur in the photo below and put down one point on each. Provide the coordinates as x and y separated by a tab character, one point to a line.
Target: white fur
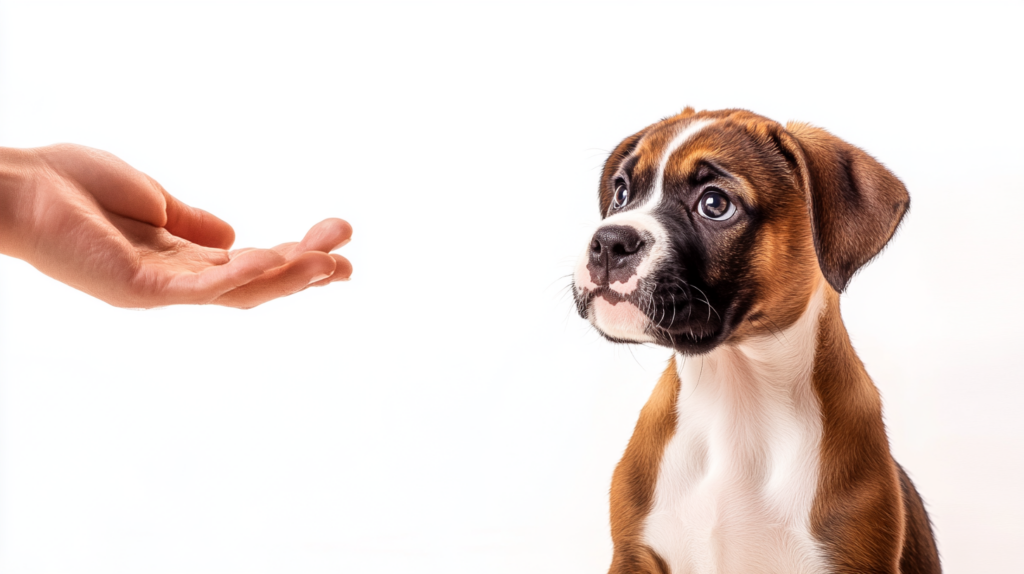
677	142
738	477
621	320
618	325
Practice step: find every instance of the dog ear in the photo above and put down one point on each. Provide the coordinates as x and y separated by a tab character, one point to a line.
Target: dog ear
855	203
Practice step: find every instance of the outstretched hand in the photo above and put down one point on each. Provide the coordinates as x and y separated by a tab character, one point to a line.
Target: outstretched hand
86	218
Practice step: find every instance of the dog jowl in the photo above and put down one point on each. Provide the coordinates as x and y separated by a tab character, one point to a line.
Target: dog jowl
727	238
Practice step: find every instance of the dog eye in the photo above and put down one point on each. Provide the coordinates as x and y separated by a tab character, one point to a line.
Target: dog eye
715	205
621	197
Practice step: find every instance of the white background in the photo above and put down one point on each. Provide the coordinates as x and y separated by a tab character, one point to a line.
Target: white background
446	411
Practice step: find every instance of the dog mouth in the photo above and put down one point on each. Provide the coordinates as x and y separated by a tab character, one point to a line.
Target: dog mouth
676	319
689	339
586	298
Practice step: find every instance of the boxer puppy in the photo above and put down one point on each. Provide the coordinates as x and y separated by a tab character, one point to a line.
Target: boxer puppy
728	238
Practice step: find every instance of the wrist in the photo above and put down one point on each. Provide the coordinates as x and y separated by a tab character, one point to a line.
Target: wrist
18	168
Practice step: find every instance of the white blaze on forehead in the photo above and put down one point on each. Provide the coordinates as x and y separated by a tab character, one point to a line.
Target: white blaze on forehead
684	135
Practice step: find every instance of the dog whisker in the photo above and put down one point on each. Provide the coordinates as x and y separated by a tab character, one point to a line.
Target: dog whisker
708	301
765	326
780	331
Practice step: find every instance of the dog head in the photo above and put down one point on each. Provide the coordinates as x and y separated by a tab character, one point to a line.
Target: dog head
720	225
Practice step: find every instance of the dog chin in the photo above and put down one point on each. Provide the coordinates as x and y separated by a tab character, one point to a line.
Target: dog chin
620	321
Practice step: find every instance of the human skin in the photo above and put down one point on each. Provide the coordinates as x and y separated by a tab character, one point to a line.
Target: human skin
90	220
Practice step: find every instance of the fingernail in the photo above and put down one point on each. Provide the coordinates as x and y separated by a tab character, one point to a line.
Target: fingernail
318	278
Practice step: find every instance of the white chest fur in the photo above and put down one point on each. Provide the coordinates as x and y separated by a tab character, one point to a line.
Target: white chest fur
738	478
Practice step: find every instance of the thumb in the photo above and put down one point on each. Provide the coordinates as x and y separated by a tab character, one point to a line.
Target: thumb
117	186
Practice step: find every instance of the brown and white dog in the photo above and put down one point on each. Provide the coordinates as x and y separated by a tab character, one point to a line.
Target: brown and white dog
727	238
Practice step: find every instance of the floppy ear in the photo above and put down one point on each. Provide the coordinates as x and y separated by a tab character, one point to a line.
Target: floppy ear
855	203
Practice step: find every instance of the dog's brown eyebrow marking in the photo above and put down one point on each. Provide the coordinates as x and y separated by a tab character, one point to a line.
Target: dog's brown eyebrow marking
698	168
707	171
627	166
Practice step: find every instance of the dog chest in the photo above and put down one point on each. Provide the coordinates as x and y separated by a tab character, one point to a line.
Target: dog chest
737	480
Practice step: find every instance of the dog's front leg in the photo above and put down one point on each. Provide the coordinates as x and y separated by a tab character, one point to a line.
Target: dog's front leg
635	476
637	559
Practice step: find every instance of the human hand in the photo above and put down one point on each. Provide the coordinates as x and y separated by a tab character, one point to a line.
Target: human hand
88	219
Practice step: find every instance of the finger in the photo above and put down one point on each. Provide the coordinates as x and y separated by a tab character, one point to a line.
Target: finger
342	268
207	285
342	271
196	225
117	186
326	236
288	250
291	278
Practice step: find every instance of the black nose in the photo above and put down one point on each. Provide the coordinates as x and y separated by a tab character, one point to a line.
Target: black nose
615	252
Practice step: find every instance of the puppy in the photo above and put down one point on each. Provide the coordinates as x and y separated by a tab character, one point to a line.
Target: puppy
728	238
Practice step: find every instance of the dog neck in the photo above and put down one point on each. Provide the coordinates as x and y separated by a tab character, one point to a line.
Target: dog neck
744	454
752	406
762	370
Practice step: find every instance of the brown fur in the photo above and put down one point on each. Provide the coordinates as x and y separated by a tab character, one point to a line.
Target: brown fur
856	204
920	556
858	511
